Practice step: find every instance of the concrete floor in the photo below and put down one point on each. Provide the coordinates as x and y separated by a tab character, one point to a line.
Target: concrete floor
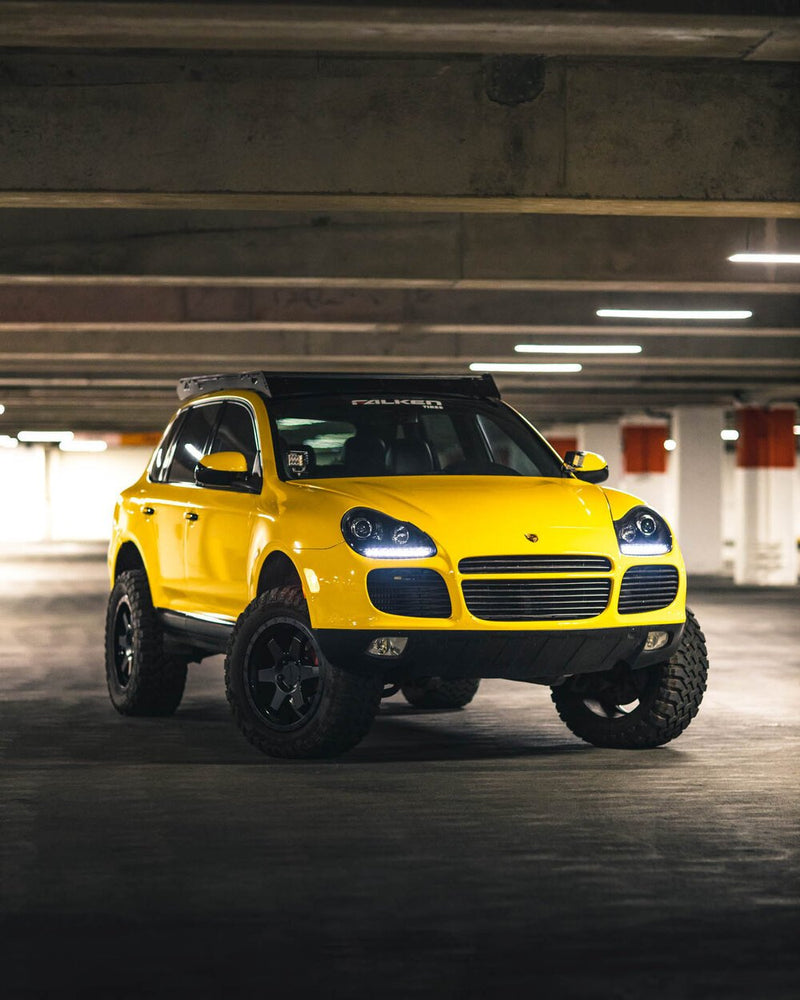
469	854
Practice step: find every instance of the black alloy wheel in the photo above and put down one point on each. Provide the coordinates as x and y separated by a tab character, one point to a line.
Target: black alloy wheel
613	694
287	698
283	673
123	643
142	677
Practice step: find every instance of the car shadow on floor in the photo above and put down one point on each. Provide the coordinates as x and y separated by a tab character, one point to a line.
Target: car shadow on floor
203	733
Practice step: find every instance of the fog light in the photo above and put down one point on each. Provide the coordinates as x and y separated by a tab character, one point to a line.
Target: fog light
656	640
387	645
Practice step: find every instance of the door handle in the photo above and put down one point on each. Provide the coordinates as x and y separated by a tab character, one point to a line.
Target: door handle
147	511
190	515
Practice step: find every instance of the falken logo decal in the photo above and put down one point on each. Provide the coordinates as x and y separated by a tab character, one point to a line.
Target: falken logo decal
427	404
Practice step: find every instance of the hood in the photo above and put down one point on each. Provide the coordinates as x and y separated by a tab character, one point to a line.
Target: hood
479	515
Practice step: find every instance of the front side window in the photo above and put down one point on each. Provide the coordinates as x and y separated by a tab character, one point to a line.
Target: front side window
342	436
192	441
236	432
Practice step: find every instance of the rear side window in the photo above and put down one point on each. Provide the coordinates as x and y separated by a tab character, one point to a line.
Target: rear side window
192	441
165	451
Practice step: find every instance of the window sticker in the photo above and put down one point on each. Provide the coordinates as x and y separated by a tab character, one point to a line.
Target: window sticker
297	461
426	404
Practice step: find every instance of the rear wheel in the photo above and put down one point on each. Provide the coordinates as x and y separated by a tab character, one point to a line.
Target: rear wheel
286	698
436	692
638	709
141	679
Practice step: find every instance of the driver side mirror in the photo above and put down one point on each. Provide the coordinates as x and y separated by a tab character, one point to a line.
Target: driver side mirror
223	468
587	465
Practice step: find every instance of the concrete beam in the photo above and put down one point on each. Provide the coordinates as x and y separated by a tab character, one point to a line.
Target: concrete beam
480	251
437	310
429	127
375	28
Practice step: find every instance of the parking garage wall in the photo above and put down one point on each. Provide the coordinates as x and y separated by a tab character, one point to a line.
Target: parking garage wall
50	495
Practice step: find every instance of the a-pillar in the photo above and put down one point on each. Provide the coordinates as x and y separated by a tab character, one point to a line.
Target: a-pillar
605	438
645	461
766	547
697	477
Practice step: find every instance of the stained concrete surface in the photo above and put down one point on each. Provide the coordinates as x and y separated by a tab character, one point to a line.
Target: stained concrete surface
477	853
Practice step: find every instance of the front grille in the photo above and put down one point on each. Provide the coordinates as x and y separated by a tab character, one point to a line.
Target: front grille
535	564
647	588
413	593
536	600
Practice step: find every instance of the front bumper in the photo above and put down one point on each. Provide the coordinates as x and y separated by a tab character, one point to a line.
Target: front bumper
543	656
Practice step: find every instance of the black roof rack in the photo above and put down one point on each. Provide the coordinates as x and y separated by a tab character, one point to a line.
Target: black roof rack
281	384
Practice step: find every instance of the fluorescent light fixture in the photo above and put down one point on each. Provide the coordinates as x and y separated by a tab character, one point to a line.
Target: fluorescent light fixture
83	445
490	366
670	445
765	258
729	434
2	408
6	441
796	428
578	349
44	437
674	313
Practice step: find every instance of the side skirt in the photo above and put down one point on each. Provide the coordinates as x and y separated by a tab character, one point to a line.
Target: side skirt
194	636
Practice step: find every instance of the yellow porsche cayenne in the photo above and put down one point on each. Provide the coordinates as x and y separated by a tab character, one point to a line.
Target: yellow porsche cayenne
343	537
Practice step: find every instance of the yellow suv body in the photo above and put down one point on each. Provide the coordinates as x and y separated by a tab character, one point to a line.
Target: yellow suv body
411	532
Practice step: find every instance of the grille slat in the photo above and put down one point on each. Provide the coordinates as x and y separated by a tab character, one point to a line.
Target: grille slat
535	600
535	564
411	593
647	588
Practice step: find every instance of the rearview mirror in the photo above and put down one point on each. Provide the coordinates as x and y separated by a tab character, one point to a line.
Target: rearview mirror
587	465
223	468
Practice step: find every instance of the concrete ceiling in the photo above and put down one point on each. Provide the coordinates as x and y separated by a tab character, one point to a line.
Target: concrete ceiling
188	188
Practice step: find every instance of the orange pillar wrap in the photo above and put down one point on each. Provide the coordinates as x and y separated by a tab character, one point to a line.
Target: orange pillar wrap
766	544
563	444
766	438
644	449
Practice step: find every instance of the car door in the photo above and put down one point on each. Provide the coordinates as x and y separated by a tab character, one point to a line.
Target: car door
172	502
218	536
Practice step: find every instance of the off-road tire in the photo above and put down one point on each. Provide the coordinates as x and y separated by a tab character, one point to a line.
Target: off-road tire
669	697
141	678
436	692
340	708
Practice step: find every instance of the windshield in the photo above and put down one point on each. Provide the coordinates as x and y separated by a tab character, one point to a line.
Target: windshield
344	436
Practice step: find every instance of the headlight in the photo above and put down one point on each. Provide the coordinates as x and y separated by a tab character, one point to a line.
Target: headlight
379	536
643	532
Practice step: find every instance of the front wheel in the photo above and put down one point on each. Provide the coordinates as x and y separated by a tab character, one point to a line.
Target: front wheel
638	709
286	698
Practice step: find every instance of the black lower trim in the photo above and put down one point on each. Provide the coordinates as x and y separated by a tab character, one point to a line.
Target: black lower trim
541	656
188	635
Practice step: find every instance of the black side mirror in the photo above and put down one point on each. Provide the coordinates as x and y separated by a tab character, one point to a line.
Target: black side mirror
587	466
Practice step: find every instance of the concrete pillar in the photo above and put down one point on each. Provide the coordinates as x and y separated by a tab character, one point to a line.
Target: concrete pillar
766	546
606	439
697	477
645	464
